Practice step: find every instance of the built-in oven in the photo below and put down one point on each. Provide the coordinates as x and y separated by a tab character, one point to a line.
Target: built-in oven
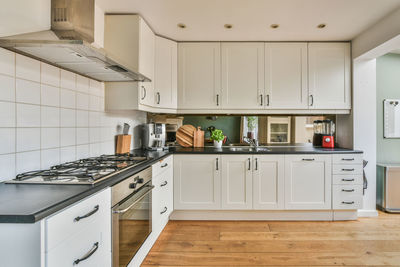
131	216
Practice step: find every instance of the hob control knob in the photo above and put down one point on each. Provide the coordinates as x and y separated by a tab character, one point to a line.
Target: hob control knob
140	180
132	185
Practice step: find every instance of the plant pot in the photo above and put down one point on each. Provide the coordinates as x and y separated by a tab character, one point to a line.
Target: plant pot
251	134
217	144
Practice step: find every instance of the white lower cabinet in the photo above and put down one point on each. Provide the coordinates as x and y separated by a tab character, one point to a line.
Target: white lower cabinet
268	182
237	182
308	182
197	182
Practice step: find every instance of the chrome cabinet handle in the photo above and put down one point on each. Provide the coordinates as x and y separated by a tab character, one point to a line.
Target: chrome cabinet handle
256	164
348	170
348	202
216	164
165	165
249	160
312	100
158	98
308	159
136	201
347	159
96	209
144	92
217	99
88	254
347	180
347	190
267	100
164	184
262	100
164	211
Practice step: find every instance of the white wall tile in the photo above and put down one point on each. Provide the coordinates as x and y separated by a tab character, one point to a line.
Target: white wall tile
28	161
94	103
107	147
7	88
50	75
50	117
68	117
82	118
82	151
7	140
28	139
50	95
82	84
7	62
106	134
28	115
82	101
94	135
7	167
7	114
94	119
94	150
95	88
27	68
68	137
50	138
68	80
67	154
82	136
67	99
50	157
27	92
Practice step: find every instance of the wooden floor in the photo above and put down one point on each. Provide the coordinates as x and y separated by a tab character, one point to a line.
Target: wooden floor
368	241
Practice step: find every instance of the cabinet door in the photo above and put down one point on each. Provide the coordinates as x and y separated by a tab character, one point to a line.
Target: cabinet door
146	63
165	73
286	76
308	181
329	75
199	75
268	182
242	75
197	182
237	182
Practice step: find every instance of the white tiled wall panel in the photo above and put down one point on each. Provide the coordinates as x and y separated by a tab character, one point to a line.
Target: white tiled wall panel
50	116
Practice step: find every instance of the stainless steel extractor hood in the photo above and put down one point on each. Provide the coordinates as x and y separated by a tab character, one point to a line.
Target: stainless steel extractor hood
69	44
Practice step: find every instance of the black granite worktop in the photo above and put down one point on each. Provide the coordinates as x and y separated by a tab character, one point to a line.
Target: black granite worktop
29	203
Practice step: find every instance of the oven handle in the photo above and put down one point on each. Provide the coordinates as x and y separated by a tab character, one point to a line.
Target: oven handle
134	203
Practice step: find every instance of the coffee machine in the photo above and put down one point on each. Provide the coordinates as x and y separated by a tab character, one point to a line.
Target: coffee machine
154	135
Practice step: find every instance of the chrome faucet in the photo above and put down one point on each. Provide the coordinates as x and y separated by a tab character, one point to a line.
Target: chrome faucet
251	142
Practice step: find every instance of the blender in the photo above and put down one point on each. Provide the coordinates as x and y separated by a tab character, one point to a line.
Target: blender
317	137
328	131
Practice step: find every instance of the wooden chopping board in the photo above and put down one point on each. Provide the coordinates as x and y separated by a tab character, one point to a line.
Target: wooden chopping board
185	135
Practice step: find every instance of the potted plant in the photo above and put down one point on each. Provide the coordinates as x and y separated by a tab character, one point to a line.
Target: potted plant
217	137
251	126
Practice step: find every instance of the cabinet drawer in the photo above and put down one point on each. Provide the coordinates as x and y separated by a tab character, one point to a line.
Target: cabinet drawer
162	165
347	179
347	169
79	245
71	221
347	158
165	176
347	196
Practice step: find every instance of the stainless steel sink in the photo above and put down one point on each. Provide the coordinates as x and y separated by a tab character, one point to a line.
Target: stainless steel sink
249	149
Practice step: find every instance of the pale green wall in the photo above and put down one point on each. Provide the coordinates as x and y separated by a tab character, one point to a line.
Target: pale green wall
387	86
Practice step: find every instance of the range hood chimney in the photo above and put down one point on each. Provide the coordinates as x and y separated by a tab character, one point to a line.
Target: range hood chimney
69	44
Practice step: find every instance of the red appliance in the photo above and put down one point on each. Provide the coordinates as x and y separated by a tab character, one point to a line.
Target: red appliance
328	141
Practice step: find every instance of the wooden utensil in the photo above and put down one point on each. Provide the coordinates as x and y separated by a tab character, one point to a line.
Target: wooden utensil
198	137
185	135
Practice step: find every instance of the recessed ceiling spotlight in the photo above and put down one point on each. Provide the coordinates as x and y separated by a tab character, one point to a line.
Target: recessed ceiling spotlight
181	25
274	26
321	26
228	26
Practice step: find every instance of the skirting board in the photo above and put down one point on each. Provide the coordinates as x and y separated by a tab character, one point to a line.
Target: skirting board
328	215
367	213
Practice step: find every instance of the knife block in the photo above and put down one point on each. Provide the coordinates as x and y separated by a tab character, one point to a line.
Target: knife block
123	144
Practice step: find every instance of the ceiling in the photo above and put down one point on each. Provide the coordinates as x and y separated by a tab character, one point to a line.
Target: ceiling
251	19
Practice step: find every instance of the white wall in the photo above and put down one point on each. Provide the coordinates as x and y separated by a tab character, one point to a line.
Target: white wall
49	116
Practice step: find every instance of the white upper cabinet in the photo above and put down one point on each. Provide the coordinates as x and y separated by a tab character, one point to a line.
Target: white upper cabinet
165	76
329	71
242	75
308	182
199	75
268	182
286	76
237	182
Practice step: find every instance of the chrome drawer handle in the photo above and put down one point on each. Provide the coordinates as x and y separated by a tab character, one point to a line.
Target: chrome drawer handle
164	184
308	159
347	159
348	170
347	190
144	92
216	164
164	211
165	165
348	180
249	160
348	202
96	209
87	255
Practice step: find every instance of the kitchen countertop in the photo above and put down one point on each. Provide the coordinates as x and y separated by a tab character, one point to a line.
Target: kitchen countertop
29	203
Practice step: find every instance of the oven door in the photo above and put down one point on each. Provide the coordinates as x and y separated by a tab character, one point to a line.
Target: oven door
131	225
